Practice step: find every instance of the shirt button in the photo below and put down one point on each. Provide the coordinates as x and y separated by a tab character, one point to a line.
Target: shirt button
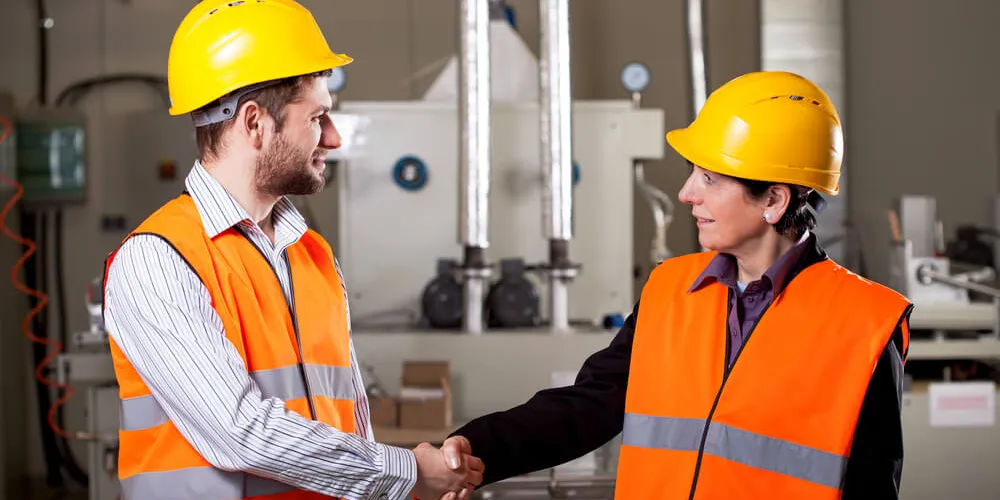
750	299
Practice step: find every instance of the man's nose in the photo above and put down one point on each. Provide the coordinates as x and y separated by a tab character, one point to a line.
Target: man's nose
330	139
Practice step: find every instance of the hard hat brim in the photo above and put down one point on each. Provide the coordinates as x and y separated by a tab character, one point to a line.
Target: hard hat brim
720	163
331	61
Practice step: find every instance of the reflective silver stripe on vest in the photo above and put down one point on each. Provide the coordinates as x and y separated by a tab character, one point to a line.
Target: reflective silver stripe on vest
198	483
747	448
138	413
334	382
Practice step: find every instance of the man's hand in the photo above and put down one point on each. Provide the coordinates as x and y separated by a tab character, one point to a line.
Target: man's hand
451	480
457	449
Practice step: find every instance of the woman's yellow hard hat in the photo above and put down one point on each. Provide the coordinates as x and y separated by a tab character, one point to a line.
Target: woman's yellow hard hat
771	126
225	45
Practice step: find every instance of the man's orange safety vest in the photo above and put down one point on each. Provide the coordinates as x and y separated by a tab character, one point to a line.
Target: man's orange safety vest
779	423
299	353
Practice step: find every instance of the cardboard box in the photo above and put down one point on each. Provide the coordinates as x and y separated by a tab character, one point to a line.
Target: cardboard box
384	412
425	395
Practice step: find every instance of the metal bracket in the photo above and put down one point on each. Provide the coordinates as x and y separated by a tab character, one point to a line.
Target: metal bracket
84	367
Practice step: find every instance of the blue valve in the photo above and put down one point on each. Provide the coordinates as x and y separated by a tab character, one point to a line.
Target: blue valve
576	173
613	321
410	173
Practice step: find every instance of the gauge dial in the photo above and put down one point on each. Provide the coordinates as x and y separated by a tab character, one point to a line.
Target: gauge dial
337	80
635	77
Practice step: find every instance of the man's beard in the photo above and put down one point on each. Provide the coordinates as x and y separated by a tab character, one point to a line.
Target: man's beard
282	170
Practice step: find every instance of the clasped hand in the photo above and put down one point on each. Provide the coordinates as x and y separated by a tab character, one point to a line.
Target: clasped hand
448	473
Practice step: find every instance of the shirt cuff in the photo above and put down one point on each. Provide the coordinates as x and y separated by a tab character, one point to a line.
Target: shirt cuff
398	476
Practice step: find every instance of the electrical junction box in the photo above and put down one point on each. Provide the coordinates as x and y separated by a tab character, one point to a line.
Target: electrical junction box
51	156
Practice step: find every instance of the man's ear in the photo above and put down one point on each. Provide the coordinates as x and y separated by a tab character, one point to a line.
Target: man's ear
251	123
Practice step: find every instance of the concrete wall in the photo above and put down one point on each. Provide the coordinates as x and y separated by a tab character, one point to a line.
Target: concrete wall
398	47
922	79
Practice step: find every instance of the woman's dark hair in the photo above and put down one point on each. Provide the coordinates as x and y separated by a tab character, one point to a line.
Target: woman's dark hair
797	218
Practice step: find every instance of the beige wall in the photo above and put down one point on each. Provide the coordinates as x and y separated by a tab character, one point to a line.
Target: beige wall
395	44
922	80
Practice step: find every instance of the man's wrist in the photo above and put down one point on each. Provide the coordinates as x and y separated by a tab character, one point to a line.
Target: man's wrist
398	475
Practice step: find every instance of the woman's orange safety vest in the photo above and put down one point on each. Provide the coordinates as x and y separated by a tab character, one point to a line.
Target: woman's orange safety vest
779	423
299	353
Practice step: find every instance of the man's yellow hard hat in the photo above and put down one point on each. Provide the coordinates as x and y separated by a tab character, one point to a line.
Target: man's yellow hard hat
225	45
771	126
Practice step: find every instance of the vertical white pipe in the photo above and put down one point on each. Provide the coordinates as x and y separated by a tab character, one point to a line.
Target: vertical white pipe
556	119
557	151
474	154
474	119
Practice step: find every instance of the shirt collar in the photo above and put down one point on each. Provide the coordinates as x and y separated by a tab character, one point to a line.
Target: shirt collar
219	211
722	268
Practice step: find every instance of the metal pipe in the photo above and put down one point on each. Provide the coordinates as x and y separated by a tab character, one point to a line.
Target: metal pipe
926	275
474	154
556	115
982	275
663	210
474	119
696	46
556	119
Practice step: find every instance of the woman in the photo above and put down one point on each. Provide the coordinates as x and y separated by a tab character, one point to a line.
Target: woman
758	369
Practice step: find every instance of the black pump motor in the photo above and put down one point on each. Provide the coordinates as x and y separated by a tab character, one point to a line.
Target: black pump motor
442	299
513	301
968	248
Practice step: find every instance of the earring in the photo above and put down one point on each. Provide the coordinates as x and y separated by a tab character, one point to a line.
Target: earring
767	218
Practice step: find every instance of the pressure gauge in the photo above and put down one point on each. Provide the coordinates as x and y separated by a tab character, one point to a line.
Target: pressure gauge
337	80
635	77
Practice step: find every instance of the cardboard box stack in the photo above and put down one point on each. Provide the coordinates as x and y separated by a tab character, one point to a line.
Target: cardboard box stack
425	395
424	400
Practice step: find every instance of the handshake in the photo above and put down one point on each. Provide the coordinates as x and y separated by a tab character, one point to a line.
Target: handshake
449	473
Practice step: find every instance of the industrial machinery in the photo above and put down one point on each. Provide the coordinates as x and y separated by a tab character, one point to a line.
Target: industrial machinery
953	364
922	270
89	366
486	170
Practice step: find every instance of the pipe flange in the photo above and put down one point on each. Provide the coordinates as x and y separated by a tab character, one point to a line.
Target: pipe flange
560	271
566	273
483	272
410	173
922	276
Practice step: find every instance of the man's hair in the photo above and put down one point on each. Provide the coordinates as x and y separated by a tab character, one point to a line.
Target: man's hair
797	217
273	98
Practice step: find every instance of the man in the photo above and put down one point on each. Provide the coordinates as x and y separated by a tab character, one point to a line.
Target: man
228	317
760	369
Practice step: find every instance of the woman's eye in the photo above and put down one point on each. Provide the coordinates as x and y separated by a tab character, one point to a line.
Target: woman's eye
708	178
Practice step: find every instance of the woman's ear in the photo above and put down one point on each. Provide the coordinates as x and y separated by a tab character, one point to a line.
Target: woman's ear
779	197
